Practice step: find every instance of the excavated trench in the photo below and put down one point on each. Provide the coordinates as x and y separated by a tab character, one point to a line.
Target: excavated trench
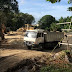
29	65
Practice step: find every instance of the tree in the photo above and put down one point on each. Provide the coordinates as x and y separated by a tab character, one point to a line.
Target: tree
18	20
53	27
69	1
45	21
62	20
54	1
3	19
70	9
23	19
6	6
68	19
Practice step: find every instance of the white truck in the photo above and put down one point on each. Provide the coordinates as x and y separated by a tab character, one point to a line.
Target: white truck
41	38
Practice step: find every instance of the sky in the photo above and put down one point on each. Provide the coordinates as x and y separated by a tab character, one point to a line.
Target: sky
39	8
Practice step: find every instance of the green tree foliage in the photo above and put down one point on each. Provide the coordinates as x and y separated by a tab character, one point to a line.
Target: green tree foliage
8	5
62	20
66	19
18	20
55	27
54	1
69	1
10	16
70	9
49	23
3	17
46	21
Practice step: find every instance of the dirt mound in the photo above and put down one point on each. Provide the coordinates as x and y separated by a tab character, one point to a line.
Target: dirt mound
35	64
30	65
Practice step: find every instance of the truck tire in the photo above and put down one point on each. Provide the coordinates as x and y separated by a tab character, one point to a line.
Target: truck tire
29	47
41	46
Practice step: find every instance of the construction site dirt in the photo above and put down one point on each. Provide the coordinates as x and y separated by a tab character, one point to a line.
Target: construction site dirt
15	57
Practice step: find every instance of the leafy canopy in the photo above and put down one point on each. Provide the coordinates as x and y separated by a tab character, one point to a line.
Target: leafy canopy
70	9
54	1
45	21
16	21
8	5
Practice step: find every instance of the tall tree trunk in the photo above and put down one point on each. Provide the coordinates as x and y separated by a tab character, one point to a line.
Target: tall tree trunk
1	33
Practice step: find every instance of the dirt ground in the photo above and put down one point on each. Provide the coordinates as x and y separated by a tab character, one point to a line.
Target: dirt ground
13	51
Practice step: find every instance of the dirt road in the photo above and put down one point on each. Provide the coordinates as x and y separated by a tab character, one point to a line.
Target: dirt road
13	51
15	58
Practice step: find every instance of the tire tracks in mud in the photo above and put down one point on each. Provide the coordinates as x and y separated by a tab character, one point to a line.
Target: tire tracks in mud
3	58
13	61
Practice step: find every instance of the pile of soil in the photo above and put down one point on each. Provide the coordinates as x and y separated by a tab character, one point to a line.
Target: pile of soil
35	64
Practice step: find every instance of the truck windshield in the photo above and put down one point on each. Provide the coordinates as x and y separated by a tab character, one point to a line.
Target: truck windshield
31	34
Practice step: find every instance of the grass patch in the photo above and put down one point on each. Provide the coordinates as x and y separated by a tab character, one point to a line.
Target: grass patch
55	68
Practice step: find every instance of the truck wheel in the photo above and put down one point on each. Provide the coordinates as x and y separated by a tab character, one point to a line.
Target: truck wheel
41	46
29	47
